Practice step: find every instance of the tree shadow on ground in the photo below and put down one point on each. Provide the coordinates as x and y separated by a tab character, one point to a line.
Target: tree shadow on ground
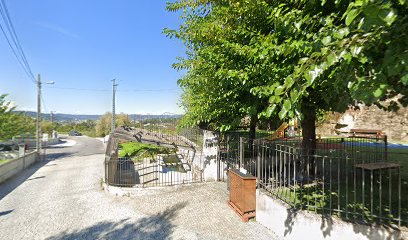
290	220
328	224
158	226
5	212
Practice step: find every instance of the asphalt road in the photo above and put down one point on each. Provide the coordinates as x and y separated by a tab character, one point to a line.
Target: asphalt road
62	198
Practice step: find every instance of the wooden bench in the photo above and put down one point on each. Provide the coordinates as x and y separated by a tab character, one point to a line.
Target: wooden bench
366	133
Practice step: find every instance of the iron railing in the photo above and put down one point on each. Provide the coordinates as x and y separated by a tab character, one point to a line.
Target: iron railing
352	178
128	172
183	166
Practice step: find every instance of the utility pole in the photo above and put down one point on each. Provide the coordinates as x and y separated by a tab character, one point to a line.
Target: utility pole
38	138
114	85
39	132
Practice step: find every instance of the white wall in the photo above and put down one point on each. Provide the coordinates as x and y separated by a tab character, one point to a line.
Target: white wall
289	224
204	162
209	158
15	166
33	142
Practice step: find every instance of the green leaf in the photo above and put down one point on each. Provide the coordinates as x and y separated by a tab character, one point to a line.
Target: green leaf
378	92
279	90
331	59
311	75
352	14
326	40
404	79
287	104
285	109
390	17
289	81
341	33
282	113
363	59
294	95
347	56
355	50
269	111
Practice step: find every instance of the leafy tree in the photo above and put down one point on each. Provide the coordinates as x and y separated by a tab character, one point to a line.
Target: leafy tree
104	125
47	127
12	124
221	64
291	58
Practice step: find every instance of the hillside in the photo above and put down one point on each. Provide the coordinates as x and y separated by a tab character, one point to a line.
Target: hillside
61	117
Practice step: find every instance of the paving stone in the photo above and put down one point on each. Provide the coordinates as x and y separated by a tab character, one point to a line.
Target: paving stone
62	199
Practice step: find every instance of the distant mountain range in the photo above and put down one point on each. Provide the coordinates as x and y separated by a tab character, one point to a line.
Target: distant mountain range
62	117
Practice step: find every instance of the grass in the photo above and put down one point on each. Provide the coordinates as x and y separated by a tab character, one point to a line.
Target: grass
340	195
141	150
4	161
400	156
340	198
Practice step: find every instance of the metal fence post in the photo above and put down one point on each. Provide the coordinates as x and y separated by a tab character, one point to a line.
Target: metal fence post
241	152
386	148
258	163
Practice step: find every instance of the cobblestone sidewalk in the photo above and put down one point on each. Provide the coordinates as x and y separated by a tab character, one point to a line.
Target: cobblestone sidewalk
63	199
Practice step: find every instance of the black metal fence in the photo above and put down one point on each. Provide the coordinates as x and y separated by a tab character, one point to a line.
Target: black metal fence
165	129
183	166
353	178
187	138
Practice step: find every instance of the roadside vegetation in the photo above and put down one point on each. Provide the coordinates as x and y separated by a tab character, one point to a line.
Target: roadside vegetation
11	123
104	124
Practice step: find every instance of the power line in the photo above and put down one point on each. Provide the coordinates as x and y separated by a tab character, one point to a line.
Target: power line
45	106
11	37
109	90
15	37
80	89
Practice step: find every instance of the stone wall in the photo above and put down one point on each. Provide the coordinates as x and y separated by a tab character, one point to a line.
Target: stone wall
394	124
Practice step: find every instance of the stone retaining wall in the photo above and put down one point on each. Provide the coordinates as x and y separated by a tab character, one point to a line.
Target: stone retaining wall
394	124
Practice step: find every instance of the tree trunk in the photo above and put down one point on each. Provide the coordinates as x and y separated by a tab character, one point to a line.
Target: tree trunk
308	129
308	161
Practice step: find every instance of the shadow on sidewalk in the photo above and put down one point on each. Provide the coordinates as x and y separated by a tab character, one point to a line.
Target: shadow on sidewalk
158	226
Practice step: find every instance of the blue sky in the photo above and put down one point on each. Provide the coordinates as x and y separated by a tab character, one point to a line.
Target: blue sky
85	44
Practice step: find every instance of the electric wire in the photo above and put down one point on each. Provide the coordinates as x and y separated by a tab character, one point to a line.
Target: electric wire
11	38
109	90
43	103
16	40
